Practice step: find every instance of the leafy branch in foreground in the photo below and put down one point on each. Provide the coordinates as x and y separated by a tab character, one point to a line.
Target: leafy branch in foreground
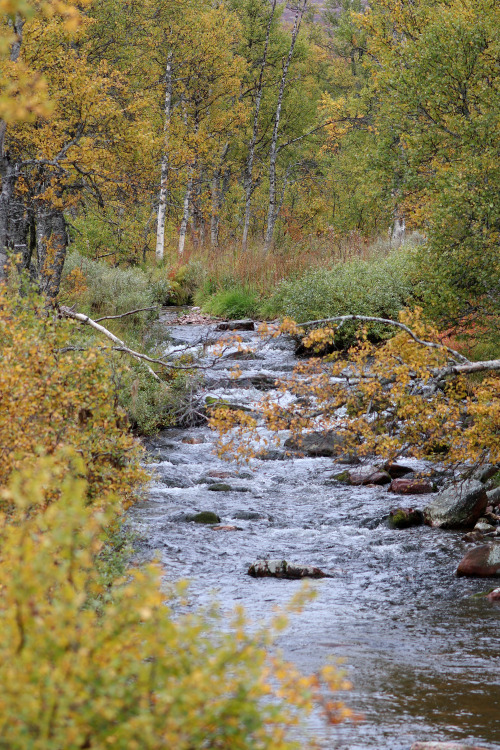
409	394
130	674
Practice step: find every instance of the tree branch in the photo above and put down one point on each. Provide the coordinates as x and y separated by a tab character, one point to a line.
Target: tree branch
124	315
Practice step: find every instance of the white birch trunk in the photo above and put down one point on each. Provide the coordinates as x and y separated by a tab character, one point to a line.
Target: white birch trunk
272	213
185	213
248	178
162	205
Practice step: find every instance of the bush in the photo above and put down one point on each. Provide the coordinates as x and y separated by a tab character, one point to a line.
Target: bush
380	287
129	675
53	397
100	289
233	303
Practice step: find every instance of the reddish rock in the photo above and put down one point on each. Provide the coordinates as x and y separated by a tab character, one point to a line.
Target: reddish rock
220	474
368	475
494	596
397	470
482	562
193	441
226	528
444	746
411	486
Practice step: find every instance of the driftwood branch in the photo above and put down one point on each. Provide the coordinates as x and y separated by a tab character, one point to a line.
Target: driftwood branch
68	313
124	315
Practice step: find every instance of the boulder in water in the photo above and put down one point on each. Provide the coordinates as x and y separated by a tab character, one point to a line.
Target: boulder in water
226	528
481	562
206	517
318	443
363	475
403	518
396	470
219	487
494	596
283	569
411	486
237	325
458	506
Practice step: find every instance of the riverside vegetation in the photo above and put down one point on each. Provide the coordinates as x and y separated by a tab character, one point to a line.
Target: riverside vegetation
157	153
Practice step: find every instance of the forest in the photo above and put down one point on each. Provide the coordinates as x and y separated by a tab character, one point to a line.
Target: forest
317	176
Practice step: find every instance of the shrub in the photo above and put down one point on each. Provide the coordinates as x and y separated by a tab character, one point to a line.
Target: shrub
380	287
52	396
106	290
233	303
130	675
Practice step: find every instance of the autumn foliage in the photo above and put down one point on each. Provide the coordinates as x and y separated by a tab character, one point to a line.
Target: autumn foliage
130	675
52	397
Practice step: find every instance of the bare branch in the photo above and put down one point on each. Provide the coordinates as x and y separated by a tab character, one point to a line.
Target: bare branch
124	315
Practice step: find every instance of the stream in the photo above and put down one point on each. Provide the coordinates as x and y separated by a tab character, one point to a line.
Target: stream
422	655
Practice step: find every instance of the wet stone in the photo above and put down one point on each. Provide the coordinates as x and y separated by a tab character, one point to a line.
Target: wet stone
206	517
458	506
404	518
226	528
283	569
247	515
220	487
494	596
481	562
237	325
412	486
396	470
445	746
318	443
363	476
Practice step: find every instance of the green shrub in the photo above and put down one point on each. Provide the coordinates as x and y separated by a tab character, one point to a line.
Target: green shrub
380	287
233	303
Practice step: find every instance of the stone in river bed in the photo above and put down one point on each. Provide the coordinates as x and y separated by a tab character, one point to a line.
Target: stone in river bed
494	496
411	486
363	475
458	506
237	325
396	470
494	596
445	746
220	487
206	517
283	569
226	528
481	562
403	518
318	443
247	515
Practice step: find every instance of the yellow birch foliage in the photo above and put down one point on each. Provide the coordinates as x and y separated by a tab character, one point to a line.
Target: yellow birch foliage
131	677
390	398
52	397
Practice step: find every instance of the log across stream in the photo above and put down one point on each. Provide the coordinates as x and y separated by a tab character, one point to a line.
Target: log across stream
422	652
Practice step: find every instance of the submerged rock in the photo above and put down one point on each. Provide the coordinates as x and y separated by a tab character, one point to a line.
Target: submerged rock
458	506
411	486
481	562
396	470
403	518
363	475
283	569
444	746
318	443
494	596
227	528
247	515
237	325
219	487
206	516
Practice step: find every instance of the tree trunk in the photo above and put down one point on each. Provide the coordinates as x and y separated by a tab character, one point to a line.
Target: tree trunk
162	205
248	176
272	213
9	171
51	246
185	213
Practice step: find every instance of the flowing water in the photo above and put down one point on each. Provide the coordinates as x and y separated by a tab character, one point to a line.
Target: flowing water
423	656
